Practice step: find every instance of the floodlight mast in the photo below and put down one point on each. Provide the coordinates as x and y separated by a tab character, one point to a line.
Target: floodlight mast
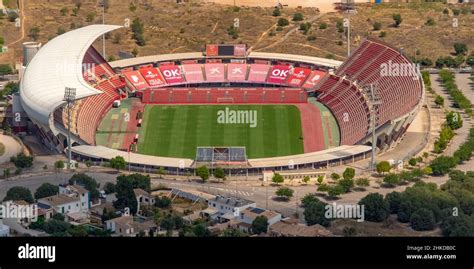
375	102
69	97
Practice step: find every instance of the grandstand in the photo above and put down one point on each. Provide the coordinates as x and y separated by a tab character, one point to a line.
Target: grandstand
191	78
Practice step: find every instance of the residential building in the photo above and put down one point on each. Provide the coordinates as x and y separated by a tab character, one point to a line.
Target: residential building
78	191
225	208
128	226
248	215
63	204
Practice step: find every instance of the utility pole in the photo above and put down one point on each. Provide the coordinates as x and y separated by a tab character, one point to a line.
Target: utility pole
69	97
103	22
373	112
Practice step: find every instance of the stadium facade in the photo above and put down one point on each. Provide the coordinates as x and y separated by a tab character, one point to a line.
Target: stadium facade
70	60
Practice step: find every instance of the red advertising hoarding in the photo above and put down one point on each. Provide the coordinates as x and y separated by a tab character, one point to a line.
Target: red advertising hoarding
279	74
172	74
314	79
215	72
258	72
136	80
153	77
298	77
193	73
236	72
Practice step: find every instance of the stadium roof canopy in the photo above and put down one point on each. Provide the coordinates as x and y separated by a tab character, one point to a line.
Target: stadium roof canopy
56	66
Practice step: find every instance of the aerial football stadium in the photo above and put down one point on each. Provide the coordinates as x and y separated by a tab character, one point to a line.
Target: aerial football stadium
223	106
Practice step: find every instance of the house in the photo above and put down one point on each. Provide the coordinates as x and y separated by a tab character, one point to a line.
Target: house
293	228
127	226
78	191
248	215
62	203
227	207
143	197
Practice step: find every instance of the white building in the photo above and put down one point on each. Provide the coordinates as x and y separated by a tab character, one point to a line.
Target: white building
227	208
127	226
248	215
77	191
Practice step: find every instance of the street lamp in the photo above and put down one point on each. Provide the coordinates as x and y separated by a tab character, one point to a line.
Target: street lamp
69	97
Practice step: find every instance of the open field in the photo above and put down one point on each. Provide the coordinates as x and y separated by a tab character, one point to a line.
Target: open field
176	131
173	28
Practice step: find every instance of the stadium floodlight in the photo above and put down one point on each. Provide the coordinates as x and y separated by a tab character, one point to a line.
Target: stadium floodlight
375	102
69	97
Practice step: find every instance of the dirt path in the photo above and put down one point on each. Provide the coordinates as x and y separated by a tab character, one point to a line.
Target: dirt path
312	128
289	33
22	20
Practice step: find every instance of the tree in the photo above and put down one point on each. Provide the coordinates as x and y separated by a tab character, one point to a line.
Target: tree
219	173
277	178
22	161
393	199
308	199
335	191
109	188
19	193
34	33
59	165
87	182
306	179
323	26
383	167
314	213
398	19
5	69
125	195
362	182
376	208
298	16
282	22
454	120
320	179
56	227
161	172
138	29
232	232
349	173
276	12
118	163
201	230
391	180
430	22
139	181
203	173
77	231
260	225
346	184
63	11
377	26
284	193
422	220
6	172
412	162
442	165
163	202
335	176
46	190
460	48
458	226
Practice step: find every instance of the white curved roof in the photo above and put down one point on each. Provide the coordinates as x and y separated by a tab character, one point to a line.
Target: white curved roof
56	66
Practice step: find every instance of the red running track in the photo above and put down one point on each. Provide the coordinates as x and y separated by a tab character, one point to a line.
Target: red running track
312	127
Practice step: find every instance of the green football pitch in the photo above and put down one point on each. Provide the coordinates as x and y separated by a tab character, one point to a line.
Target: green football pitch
176	131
